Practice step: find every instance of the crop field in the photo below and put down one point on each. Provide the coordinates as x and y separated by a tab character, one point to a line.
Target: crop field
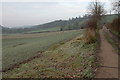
19	47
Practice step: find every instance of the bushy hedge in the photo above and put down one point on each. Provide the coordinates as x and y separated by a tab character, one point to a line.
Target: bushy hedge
115	25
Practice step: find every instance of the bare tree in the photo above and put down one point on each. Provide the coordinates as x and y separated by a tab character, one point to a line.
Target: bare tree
115	24
96	10
116	6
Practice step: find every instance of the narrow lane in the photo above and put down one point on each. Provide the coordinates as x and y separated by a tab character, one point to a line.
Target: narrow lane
108	59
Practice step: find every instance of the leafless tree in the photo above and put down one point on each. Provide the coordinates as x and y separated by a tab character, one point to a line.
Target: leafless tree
115	25
96	9
116	6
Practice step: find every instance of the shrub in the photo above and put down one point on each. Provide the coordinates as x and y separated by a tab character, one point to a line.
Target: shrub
115	25
90	36
92	23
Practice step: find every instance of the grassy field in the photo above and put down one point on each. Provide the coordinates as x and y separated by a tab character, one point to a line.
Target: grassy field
46	30
62	60
109	18
19	47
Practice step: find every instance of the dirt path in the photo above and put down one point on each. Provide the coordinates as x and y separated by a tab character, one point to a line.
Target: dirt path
108	58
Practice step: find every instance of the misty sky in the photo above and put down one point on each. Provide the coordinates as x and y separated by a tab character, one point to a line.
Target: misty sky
33	13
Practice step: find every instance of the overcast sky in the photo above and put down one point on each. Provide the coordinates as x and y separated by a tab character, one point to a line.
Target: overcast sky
20	13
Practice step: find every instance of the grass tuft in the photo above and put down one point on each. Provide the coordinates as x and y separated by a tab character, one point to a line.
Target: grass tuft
90	36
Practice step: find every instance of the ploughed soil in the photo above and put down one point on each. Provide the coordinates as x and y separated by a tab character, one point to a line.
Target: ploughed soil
108	59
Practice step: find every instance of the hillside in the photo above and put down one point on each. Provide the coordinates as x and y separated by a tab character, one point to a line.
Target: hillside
71	24
58	25
108	18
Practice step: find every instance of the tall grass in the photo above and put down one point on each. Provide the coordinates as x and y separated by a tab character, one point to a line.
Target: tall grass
90	35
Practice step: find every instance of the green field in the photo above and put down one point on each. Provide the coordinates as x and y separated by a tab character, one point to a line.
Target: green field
108	18
67	59
46	30
19	47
